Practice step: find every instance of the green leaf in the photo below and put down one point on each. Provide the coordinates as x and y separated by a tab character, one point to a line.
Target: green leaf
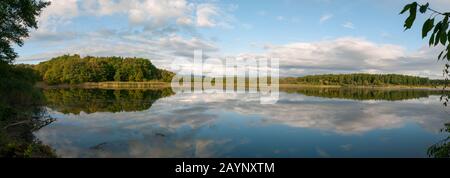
436	34
427	26
448	56
437	38
448	35
407	7
431	42
443	37
443	31
445	23
440	55
438	27
423	8
412	16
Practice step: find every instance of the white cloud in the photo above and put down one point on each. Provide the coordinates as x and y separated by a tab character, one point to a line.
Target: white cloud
325	17
205	14
341	55
184	21
63	9
153	12
158	40
348	25
350	55
58	13
140	12
161	50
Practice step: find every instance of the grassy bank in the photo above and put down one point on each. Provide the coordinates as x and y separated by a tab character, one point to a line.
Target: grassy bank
109	85
162	85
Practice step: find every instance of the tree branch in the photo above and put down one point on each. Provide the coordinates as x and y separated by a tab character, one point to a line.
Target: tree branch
435	11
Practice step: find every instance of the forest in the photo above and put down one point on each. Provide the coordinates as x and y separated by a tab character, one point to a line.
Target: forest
361	79
73	69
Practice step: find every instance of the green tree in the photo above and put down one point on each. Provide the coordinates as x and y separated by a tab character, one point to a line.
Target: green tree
16	18
139	76
118	76
438	24
362	79
74	69
21	104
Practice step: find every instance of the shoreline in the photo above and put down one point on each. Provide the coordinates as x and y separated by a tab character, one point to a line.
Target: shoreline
163	85
391	87
107	85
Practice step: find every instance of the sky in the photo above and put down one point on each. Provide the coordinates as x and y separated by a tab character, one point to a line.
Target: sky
308	36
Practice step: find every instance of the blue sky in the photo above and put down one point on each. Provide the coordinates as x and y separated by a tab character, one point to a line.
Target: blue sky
309	36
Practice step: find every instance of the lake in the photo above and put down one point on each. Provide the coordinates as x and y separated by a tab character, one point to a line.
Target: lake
305	122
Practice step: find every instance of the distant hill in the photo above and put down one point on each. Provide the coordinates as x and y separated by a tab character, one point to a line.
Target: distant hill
361	79
73	69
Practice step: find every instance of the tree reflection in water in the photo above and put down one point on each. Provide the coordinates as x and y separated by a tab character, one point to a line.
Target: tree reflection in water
76	100
365	93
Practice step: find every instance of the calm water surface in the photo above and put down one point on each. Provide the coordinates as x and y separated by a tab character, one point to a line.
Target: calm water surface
304	123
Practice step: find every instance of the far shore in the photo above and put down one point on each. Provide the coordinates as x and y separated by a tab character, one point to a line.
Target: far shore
163	85
108	85
387	87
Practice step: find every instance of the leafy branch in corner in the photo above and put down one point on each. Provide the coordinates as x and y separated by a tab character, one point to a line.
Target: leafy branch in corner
438	24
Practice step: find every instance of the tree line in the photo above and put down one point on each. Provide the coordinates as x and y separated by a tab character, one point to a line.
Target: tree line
362	80
73	69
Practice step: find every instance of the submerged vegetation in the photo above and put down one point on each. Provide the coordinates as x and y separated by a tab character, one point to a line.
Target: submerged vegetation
73	69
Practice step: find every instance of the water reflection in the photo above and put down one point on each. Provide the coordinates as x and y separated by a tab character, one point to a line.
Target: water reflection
366	94
76	100
236	125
